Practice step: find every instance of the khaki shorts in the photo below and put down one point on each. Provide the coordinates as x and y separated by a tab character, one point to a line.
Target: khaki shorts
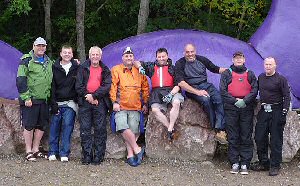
128	119
164	106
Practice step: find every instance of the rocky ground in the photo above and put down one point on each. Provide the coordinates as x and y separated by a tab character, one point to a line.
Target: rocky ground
15	171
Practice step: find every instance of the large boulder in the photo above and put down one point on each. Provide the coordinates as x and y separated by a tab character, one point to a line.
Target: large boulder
12	141
195	140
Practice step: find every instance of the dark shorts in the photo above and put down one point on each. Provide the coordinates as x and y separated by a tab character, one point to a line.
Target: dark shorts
35	117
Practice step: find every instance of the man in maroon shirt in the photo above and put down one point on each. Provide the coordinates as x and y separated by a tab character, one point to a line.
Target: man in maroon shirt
93	85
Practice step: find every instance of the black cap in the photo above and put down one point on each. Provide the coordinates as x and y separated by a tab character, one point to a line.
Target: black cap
238	54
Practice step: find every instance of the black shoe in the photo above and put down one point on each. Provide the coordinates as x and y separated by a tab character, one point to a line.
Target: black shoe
86	160
274	171
170	136
97	161
259	167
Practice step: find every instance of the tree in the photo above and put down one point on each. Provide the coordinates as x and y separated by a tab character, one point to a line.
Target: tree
80	10
143	16
47	9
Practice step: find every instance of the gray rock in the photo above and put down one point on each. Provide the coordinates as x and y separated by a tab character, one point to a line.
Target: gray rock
195	140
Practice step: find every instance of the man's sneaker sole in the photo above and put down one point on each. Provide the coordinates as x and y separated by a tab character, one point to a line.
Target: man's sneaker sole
234	172
244	173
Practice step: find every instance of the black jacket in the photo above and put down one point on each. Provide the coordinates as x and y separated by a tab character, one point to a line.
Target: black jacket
180	65
228	99
63	86
82	78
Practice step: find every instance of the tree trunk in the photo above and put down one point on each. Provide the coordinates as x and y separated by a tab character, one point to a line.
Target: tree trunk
143	16
47	9
80	9
240	28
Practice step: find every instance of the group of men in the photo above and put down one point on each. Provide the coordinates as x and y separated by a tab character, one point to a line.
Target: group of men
65	84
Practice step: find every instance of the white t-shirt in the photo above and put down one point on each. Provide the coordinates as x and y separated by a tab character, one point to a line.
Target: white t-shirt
66	67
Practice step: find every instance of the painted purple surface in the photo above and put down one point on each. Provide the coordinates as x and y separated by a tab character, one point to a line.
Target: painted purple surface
9	61
216	47
279	36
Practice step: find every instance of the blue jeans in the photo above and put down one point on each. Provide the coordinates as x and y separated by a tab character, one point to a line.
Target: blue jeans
62	123
212	105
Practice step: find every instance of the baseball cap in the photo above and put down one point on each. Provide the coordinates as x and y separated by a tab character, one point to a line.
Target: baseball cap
40	41
238	54
127	51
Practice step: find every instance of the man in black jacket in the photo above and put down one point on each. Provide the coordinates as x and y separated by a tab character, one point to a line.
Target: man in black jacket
238	88
93	85
191	76
63	104
275	100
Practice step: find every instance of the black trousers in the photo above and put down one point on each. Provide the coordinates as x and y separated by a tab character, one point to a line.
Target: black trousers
239	128
270	123
92	116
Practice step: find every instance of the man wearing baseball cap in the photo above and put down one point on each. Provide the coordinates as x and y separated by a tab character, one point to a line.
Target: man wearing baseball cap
127	87
238	88
34	83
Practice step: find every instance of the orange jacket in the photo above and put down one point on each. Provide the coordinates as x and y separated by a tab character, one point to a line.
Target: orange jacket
128	87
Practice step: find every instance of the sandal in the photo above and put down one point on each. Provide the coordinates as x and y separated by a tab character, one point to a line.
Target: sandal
30	156
38	154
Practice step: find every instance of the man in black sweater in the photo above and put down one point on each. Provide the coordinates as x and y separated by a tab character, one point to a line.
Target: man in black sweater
63	104
275	101
191	76
238	88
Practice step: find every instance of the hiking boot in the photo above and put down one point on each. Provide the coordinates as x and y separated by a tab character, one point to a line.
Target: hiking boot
132	161
244	170
221	137
97	161
274	171
86	160
259	167
235	168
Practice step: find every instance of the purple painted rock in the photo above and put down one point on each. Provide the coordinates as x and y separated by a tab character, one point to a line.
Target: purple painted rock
9	61
279	37
218	48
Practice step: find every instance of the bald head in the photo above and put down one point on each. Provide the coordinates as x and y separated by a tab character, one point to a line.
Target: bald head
190	52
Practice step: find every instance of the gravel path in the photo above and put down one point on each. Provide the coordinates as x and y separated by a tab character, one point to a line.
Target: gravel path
15	171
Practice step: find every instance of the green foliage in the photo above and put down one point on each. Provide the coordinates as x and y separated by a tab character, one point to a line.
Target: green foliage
19	6
107	21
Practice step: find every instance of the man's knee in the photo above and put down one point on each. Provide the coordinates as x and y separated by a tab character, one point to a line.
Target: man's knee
155	110
28	128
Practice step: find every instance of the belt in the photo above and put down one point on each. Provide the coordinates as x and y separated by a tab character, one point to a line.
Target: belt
271	107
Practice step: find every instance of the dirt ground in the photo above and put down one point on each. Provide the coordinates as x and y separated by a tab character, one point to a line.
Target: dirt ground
14	170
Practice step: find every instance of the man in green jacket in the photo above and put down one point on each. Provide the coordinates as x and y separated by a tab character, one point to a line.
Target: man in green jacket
34	84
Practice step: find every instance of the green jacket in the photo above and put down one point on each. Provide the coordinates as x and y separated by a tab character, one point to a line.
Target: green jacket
34	79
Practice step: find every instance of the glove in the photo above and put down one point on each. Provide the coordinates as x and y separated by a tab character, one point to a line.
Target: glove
284	112
142	70
167	98
240	103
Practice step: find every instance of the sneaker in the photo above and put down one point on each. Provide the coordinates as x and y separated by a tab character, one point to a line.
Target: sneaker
259	167
244	170
64	159
235	168
52	158
132	161
274	171
221	137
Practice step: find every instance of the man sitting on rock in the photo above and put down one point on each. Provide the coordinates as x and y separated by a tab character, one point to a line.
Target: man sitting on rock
128	87
191	76
163	92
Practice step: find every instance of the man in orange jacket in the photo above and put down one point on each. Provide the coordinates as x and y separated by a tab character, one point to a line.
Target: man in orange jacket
127	87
